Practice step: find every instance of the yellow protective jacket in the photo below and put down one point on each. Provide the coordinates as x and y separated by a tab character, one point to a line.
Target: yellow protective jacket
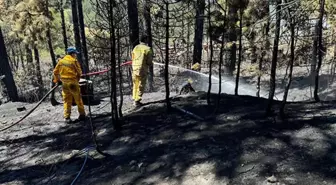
67	69
142	58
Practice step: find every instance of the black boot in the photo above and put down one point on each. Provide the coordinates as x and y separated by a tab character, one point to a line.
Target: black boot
82	118
67	120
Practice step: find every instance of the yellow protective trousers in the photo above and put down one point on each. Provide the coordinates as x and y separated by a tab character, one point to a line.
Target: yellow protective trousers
71	91
139	84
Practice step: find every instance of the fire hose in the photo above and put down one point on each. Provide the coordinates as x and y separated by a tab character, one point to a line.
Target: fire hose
51	90
32	110
105	70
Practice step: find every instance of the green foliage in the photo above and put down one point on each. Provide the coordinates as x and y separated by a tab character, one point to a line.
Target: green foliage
30	21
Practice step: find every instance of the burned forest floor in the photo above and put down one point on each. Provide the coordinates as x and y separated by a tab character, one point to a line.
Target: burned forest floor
236	144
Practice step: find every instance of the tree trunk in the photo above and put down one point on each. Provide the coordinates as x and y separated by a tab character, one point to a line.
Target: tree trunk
233	18
240	50
85	56
76	32
264	51
320	51
38	72
64	32
291	64
253	53
274	58
259	73
21	58
132	11
199	24
5	70
188	40
14	62
333	65
52	54
188	45
211	54
147	16
314	53
29	57
167	59
221	58
113	98
120	75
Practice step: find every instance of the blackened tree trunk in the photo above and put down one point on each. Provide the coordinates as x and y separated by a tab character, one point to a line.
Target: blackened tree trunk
314	53
83	36
240	49
221	57
76	32
132	11
260	65
274	58
199	24
148	23
166	74
21	57
113	98
320	51
120	76
64	32
333	64
232	36
253	53
38	72
29	57
7	72
14	62
211	55
188	39
291	64
263	54
52	53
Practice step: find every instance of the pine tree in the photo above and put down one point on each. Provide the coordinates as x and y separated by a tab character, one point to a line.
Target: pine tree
274	58
199	25
132	11
7	72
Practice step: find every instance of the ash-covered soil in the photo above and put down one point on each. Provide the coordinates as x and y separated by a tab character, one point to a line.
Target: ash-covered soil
235	145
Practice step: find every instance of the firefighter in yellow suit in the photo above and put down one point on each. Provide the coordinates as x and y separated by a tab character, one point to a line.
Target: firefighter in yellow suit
142	59
68	72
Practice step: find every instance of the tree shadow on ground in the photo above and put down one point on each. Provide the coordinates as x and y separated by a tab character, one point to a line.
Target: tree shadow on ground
238	146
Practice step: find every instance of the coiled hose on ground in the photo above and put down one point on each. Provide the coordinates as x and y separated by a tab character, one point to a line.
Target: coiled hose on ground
32	110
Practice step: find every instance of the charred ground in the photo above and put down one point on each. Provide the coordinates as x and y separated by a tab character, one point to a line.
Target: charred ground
237	145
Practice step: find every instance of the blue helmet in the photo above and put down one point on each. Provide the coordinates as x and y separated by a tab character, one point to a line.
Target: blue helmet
72	50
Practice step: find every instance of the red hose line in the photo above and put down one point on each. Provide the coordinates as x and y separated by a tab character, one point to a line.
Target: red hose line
105	70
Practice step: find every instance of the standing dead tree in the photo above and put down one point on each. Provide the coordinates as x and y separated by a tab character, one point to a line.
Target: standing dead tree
132	10
74	10
320	50
85	56
211	54
148	23
242	6
292	23
199	24
221	55
166	74
51	51
6	72
60	8
274	58
113	75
